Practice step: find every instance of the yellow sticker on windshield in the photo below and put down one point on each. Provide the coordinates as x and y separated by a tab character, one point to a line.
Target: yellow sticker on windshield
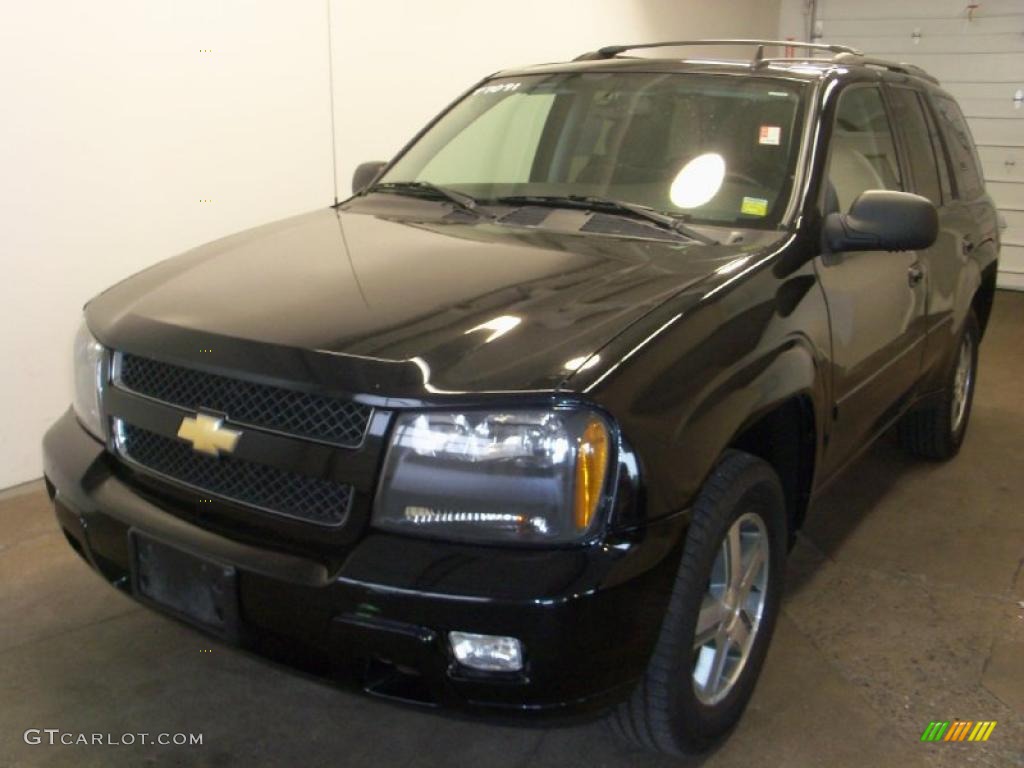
754	206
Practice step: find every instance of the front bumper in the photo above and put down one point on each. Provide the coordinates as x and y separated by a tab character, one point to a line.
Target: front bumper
588	616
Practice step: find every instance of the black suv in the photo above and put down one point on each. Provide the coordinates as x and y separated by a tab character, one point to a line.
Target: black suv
528	423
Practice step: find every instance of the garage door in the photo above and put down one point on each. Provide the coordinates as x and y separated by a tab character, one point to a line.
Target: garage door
978	54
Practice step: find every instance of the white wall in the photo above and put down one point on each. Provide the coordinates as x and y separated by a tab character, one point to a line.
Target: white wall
794	20
116	124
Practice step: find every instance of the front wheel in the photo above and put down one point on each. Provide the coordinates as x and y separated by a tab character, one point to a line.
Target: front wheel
720	615
936	430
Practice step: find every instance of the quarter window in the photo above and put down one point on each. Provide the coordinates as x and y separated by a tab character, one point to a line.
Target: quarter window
863	154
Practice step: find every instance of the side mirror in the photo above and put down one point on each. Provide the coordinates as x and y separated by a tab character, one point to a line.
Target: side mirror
366	174
880	220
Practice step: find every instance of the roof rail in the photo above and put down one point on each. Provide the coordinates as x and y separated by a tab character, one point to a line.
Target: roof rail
843	54
892	66
610	51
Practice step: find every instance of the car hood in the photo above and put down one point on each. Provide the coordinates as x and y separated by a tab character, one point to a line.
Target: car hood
400	299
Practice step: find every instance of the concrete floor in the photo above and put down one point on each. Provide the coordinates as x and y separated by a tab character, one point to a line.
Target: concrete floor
905	605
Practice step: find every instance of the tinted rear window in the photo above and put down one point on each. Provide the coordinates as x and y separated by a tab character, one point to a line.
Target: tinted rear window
909	115
961	148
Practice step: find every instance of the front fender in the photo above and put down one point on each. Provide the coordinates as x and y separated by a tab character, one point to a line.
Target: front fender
707	371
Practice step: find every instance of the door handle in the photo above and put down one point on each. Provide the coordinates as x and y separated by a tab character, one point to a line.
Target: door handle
915	275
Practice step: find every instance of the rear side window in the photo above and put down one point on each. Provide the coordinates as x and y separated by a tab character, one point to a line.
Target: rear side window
907	112
961	148
863	154
939	147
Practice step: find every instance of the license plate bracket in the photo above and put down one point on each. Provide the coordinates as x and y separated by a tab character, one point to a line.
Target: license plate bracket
192	588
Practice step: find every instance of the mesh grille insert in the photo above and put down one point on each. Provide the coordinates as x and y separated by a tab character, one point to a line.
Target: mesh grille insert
341	422
274	490
527	216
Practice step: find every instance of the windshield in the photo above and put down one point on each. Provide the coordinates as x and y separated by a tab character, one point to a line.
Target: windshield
715	149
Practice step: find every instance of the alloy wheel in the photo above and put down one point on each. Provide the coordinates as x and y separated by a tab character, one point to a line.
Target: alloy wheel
962	381
731	610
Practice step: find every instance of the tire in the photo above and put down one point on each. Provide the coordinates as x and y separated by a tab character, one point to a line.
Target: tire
935	431
666	712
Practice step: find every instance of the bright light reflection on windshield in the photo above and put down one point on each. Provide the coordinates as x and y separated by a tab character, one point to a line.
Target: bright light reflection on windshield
698	181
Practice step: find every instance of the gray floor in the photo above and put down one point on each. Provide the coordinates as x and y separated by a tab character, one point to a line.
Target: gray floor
905	605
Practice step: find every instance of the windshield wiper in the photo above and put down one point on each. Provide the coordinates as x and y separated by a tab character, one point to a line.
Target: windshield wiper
460	199
604	204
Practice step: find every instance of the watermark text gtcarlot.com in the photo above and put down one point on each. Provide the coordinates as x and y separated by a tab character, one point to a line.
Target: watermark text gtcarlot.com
56	736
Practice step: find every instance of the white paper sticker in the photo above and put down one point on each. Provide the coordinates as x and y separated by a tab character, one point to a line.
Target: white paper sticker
770	134
496	88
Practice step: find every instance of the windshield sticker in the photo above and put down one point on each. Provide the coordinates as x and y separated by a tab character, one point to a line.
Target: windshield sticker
770	134
496	88
754	206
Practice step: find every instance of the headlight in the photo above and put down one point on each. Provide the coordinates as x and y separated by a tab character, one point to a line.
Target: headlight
512	476
88	382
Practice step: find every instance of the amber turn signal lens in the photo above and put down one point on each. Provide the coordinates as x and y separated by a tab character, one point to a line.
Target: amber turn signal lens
591	463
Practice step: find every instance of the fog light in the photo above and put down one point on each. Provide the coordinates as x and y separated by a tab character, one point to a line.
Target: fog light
490	653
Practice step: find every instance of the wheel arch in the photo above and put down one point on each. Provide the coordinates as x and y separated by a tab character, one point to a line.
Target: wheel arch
984	295
777	415
785	436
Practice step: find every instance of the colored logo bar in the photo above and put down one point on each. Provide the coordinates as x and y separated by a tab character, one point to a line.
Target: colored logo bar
958	730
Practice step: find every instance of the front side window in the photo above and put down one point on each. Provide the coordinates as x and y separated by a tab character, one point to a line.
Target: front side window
863	153
714	149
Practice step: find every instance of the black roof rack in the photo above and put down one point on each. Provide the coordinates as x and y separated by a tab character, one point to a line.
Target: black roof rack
842	54
892	66
610	51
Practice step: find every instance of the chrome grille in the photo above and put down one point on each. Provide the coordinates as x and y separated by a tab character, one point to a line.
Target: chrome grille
274	490
327	419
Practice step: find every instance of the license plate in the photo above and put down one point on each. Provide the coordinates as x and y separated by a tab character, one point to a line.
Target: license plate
194	589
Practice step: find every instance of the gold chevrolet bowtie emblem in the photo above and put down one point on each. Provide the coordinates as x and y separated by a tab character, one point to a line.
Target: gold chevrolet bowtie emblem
208	435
